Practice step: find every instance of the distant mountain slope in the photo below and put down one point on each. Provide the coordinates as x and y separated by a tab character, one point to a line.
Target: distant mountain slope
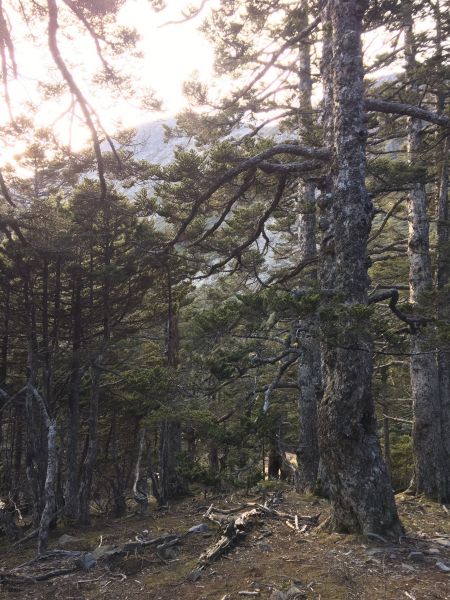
151	144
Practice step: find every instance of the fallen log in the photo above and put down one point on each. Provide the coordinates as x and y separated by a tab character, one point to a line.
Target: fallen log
232	529
68	562
231	532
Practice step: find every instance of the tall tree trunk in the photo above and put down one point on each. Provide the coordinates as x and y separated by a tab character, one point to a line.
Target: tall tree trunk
361	496
172	484
443	314
71	500
4	351
423	366
309	379
442	281
90	460
36	454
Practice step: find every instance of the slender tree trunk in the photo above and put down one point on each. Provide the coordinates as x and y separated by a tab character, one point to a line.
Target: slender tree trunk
36	454
48	513
361	496
275	461
71	499
90	460
424	369
140	492
4	352
17	450
309	376
172	484
5	335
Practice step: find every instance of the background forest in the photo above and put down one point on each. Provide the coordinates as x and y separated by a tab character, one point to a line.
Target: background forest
269	308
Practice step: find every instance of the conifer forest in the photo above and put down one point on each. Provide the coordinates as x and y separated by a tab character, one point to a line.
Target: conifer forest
224	299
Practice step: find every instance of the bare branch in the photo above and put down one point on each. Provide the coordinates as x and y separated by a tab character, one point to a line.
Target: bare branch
413	321
53	26
407	110
186	16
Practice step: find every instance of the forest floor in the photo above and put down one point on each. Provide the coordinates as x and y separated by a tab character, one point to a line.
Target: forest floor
270	560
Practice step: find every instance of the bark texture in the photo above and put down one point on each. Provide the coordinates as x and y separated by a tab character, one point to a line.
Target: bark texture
361	496
442	282
309	379
423	366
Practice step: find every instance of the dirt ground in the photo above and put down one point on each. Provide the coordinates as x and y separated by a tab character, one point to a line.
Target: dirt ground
272	556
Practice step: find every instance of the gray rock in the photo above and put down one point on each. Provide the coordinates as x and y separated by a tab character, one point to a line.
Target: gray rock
88	561
277	595
442	567
264	547
295	593
432	551
202	528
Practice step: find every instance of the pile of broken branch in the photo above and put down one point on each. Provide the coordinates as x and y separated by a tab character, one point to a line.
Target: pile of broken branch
235	523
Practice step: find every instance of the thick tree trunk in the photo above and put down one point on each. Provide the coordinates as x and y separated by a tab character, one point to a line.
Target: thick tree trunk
424	368
309	379
443	314
361	496
442	281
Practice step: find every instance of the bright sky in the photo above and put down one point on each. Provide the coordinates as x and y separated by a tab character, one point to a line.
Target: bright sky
171	54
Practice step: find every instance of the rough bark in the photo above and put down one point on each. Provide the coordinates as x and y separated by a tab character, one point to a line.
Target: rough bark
309	379
361	496
423	366
443	274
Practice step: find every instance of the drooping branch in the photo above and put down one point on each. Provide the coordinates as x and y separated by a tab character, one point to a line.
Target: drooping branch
318	154
237	252
241	191
53	26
